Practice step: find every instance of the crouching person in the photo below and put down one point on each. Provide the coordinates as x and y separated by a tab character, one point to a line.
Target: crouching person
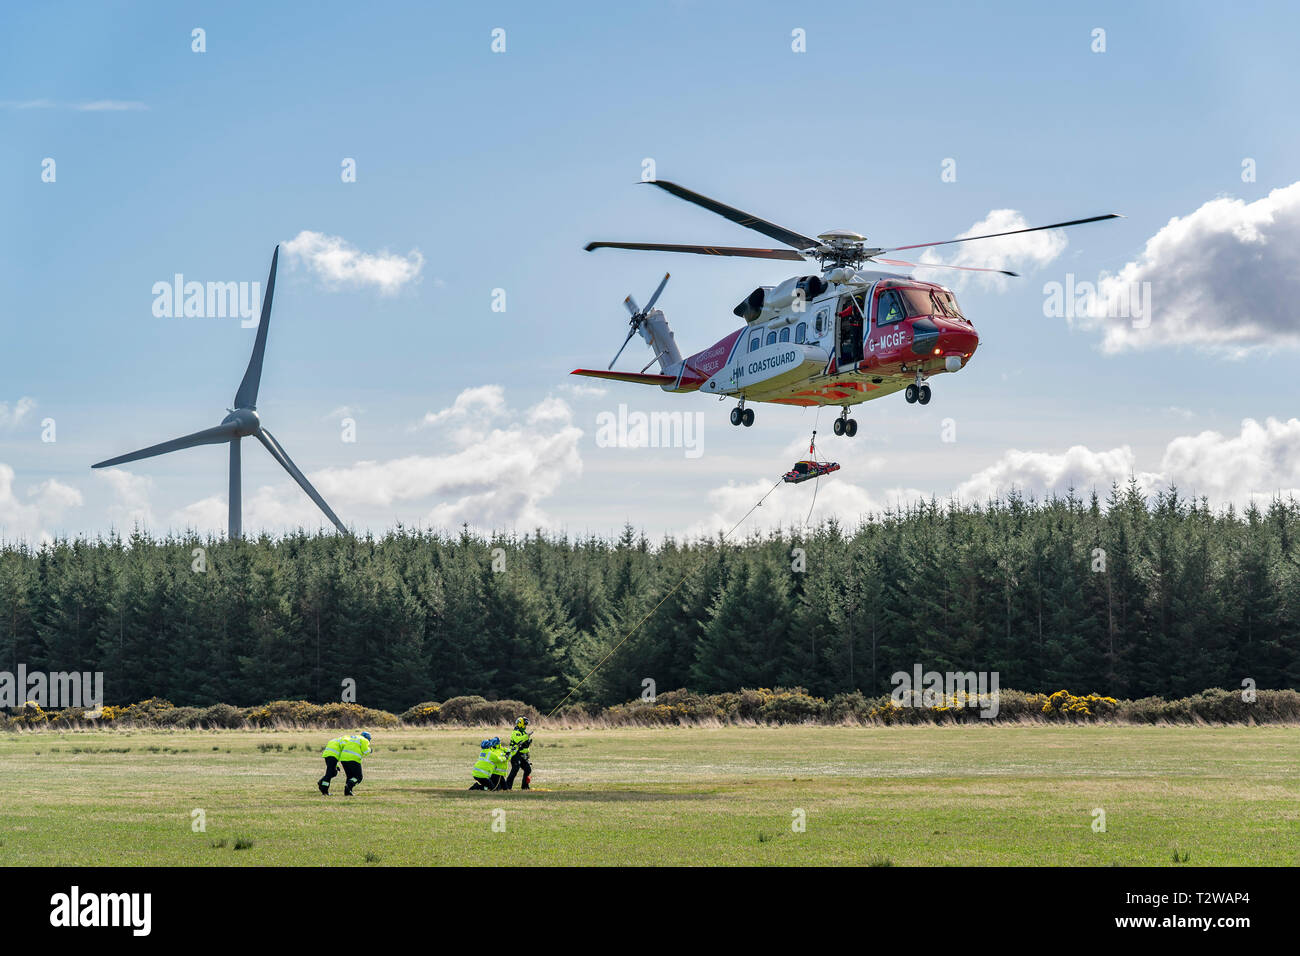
490	768
347	751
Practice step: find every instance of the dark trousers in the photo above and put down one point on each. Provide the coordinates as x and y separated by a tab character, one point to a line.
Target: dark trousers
331	769
493	782
517	761
351	771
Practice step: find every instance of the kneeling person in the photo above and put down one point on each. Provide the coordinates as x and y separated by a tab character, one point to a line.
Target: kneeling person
490	766
347	751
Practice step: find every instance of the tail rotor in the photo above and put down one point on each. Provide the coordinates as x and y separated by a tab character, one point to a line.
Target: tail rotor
639	315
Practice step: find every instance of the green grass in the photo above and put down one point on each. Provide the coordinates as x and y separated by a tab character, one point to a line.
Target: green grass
900	796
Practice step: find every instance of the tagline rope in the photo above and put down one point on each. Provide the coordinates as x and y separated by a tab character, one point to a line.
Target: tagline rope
671	592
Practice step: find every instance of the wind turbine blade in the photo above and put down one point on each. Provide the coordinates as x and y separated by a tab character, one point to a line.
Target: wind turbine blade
246	397
655	298
209	436
279	454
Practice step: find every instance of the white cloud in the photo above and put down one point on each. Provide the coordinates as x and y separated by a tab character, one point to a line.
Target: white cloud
31	515
15	416
1225	278
479	403
206	515
1023	253
1259	463
130	505
109	106
341	264
500	467
584	391
1040	473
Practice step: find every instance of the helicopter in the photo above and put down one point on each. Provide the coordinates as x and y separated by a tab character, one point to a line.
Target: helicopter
844	335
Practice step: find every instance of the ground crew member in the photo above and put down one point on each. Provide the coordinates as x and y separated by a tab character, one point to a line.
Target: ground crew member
490	768
347	751
520	738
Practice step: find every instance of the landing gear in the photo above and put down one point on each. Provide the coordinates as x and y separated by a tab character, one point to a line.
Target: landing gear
740	415
917	392
844	425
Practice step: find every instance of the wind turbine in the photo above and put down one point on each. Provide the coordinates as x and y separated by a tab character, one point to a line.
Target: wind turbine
242	422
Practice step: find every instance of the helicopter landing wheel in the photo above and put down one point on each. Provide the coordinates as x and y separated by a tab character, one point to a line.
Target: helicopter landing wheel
923	395
736	415
850	427
837	426
747	417
911	394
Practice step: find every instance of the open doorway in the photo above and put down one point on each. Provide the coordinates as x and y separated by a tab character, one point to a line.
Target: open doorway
850	312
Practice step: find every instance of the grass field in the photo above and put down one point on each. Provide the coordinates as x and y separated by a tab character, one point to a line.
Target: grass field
907	796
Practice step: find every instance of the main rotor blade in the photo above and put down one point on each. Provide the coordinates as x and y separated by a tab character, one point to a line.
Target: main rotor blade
738	216
279	454
246	397
209	436
940	265
1013	232
737	251
655	298
630	304
631	332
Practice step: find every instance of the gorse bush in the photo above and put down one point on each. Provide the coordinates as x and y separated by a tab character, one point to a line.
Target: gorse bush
683	707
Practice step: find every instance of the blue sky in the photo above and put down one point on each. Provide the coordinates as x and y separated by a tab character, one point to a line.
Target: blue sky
491	170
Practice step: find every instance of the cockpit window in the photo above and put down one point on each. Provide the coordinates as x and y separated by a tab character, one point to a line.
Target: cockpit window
888	308
918	302
948	303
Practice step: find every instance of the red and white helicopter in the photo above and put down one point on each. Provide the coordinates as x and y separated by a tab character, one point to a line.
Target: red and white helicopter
842	337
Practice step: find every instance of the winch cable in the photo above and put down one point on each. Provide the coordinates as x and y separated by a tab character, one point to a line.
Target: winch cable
671	592
817	482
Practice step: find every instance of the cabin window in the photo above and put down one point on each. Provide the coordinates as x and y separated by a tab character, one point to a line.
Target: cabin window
771	338
801	332
785	334
889	308
755	342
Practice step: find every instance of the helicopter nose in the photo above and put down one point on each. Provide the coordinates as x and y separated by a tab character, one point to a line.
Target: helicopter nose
956	345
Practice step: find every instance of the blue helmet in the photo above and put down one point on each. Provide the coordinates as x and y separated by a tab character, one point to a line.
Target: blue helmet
366	734
496	741
484	744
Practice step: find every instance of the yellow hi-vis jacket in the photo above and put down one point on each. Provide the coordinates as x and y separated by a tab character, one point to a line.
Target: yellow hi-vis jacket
517	741
483	767
350	748
500	761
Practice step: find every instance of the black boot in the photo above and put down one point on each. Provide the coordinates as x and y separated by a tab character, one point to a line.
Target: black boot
525	784
323	786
